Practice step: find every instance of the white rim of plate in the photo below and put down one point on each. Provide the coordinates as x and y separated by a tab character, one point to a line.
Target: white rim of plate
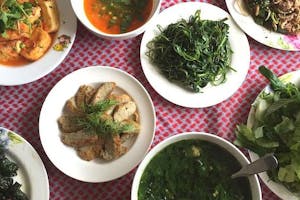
261	34
211	95
276	188
31	168
95	170
35	70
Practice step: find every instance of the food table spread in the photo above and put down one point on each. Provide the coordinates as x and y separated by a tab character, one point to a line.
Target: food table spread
20	105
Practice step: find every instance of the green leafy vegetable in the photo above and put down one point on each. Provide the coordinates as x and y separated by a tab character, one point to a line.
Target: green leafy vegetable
193	53
8	188
12	12
123	11
276	129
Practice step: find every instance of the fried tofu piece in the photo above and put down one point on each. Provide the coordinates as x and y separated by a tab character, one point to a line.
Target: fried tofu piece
90	152
37	45
79	139
113	147
9	50
103	91
67	125
50	16
124	111
83	95
35	15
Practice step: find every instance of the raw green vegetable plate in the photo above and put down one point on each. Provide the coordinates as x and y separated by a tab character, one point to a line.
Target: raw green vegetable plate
210	94
277	188
31	173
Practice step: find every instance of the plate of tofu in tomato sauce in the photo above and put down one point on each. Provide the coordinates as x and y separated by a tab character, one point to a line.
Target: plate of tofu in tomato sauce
97	124
35	37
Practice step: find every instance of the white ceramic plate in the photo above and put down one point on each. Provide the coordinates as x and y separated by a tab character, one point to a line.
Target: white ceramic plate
32	174
35	70
258	32
276	188
65	158
210	95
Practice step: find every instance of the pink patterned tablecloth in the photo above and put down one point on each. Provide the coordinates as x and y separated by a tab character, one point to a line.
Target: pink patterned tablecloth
20	105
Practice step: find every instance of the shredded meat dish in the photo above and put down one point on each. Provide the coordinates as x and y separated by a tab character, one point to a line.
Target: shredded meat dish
279	15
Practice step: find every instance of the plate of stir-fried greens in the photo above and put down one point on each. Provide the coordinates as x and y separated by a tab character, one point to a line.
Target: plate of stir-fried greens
22	173
274	127
194	55
274	23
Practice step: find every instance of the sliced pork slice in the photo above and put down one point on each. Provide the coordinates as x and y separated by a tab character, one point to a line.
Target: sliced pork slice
113	147
124	111
72	109
103	91
83	95
79	139
90	152
67	124
120	99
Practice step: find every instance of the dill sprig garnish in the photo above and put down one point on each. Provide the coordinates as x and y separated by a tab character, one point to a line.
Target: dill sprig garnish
95	121
100	106
96	124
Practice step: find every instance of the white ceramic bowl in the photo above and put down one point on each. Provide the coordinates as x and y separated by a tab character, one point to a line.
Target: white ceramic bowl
253	180
78	7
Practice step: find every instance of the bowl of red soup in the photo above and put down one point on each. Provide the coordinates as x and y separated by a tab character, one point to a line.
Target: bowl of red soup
194	165
112	19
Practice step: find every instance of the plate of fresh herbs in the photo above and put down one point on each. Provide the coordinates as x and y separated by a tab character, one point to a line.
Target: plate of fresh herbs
273	126
22	172
194	55
266	20
73	163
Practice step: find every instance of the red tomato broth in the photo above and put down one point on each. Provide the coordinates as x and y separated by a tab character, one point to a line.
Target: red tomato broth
102	21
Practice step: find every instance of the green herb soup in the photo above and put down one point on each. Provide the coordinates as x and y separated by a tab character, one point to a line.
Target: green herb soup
192	170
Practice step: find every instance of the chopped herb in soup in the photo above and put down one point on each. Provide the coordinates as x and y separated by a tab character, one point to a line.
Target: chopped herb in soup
117	16
193	170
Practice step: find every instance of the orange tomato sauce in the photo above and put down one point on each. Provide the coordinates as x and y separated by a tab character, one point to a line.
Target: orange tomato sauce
16	63
21	61
93	9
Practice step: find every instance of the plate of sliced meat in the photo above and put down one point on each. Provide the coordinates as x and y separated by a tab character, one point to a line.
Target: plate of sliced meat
101	120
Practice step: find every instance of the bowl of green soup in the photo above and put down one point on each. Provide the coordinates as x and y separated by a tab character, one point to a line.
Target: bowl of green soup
192	166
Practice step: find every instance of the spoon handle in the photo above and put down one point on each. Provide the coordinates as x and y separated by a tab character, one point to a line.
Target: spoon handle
264	163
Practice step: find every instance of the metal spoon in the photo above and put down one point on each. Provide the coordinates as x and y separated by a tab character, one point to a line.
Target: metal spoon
264	163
